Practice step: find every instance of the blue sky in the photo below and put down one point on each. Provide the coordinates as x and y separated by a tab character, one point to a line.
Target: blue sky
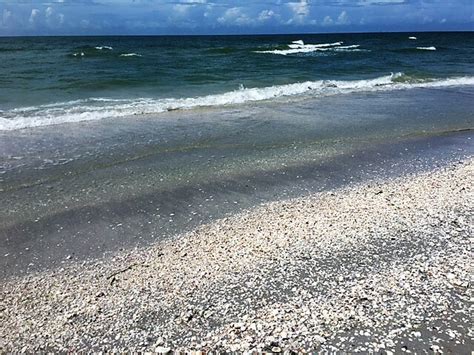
55	17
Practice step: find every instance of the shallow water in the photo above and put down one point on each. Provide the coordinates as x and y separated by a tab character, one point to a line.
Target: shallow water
100	186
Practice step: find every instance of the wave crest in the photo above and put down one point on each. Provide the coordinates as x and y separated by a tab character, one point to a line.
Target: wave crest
103	47
130	55
432	48
299	46
100	108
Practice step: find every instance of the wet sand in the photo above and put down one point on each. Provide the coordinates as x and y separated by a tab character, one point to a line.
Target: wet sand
109	225
380	265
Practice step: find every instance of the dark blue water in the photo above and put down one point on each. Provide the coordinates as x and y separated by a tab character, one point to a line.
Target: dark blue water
51	80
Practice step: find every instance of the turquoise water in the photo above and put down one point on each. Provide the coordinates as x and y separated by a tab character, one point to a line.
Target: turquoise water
51	80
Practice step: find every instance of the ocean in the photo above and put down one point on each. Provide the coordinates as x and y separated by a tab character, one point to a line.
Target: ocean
110	143
54	80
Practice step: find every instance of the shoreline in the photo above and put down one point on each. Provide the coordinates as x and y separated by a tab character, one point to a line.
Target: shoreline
90	190
382	267
88	232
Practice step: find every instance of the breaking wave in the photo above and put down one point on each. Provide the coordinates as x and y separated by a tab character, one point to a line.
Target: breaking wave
91	51
426	48
299	46
100	108
130	55
103	47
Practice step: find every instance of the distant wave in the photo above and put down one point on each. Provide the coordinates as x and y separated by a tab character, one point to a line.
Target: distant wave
426	48
415	50
298	42
300	47
103	47
130	55
100	51
91	51
100	108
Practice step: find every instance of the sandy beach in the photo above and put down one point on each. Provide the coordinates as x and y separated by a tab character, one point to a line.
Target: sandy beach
236	177
383	265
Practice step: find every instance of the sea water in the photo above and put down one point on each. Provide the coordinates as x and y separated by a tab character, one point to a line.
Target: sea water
116	142
57	80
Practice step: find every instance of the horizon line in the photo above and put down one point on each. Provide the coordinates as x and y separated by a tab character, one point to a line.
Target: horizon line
234	34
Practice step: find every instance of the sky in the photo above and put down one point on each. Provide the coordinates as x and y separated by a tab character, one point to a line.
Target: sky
162	17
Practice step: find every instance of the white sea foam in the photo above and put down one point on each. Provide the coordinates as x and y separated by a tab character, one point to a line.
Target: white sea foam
299	47
100	108
349	47
104	47
353	48
413	38
298	42
426	48
314	46
130	55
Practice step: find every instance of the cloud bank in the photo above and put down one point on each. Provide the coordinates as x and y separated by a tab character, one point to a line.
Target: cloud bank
55	17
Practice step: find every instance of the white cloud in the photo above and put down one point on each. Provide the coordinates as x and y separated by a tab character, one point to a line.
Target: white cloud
180	9
300	11
327	21
48	14
53	19
234	16
266	15
33	17
7	14
49	11
183	7
343	19
227	16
